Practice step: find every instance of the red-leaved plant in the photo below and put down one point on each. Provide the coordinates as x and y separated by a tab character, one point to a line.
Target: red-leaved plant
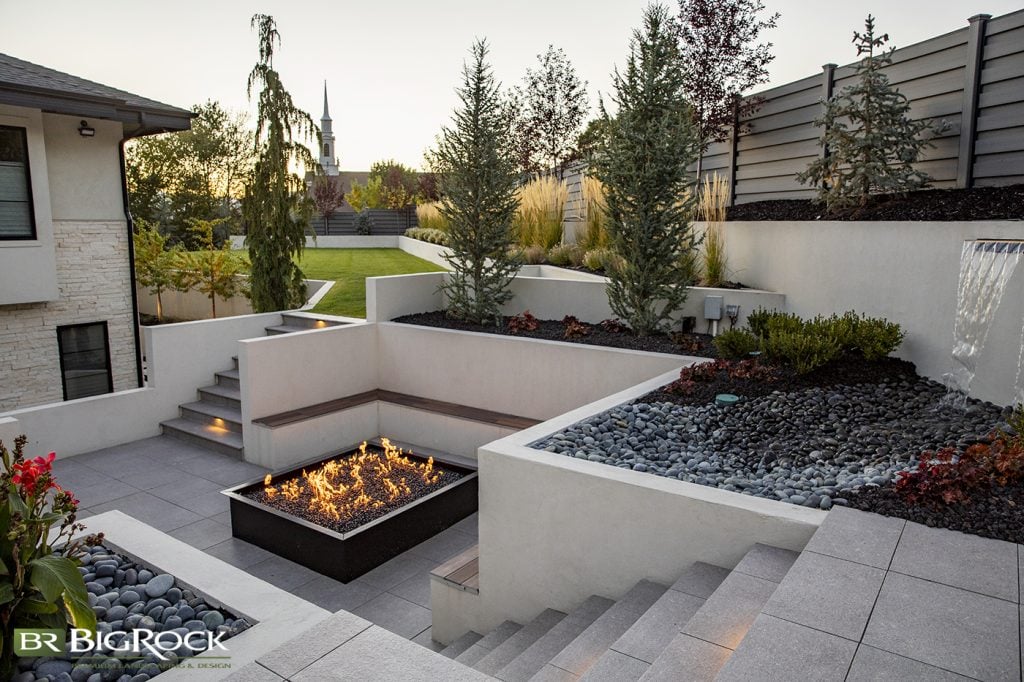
574	329
38	588
943	478
523	322
736	370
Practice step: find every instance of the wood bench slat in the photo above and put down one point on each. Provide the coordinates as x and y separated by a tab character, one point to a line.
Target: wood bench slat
461	559
415	402
460	575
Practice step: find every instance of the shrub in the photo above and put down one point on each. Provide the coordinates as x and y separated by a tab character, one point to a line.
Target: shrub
534	255
538	220
562	255
523	322
614	326
602	260
428	235
429	217
757	321
363	223
876	337
803	350
706	372
574	329
38	588
736	344
944	477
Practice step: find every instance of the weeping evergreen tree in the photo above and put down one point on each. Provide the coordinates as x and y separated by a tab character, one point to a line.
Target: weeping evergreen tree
872	143
478	183
275	209
648	145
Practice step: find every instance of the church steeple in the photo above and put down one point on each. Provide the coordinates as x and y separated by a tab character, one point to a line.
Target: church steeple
327	158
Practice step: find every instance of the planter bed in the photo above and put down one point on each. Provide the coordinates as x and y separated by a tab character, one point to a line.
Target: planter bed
976	203
554	330
133	597
812	445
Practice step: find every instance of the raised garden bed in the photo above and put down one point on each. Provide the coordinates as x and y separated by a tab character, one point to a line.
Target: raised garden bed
811	441
128	597
348	513
589	334
976	203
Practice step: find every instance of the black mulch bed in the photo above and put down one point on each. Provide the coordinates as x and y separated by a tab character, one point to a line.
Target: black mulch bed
848	370
994	513
976	203
554	330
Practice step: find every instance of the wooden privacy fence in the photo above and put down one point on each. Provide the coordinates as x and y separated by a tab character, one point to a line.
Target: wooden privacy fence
973	78
383	222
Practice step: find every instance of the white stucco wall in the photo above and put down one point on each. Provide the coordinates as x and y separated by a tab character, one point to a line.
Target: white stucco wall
424	250
181	358
555	530
907	272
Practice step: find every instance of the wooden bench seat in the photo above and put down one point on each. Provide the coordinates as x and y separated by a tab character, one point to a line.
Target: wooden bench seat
462	571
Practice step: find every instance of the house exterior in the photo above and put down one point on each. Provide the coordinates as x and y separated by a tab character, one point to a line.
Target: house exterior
68	319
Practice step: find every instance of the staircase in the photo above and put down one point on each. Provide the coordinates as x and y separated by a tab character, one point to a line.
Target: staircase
214	421
653	632
301	322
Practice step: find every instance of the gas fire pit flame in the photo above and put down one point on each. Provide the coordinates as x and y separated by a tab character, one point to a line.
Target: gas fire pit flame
342	488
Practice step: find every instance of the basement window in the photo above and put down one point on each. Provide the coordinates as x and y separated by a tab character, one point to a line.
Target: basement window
17	218
84	360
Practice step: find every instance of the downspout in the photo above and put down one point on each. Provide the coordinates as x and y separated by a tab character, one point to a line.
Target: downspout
131	263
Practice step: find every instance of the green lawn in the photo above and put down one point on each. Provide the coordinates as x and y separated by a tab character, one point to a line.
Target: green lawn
349	268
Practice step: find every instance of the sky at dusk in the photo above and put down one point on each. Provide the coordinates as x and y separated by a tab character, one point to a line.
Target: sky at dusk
391	67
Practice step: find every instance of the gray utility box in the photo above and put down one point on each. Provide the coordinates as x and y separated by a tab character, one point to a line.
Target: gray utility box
713	307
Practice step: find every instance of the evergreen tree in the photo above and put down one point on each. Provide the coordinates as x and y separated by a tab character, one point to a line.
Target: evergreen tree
872	143
275	210
478	183
648	145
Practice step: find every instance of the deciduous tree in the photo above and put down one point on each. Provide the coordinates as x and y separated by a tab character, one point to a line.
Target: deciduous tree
327	196
156	265
212	271
649	144
275	209
549	109
721	59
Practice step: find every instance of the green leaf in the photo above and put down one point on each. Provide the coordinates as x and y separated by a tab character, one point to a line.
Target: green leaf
6	593
36	606
17	504
58	578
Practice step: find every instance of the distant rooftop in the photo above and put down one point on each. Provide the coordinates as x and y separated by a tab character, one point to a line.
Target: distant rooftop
29	85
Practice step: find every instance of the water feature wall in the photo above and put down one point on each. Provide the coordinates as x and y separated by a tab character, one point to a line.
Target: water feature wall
986	267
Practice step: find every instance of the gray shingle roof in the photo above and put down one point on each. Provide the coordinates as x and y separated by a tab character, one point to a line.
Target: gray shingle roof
29	84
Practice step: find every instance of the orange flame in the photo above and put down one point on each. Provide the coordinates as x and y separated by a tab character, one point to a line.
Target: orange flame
337	487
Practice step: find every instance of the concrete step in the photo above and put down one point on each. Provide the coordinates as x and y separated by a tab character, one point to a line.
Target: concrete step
461	644
502	655
221	395
708	639
205	435
591	644
539	654
308	321
488	642
228	378
214	414
633	653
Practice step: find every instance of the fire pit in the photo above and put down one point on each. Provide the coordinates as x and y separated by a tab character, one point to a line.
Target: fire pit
343	515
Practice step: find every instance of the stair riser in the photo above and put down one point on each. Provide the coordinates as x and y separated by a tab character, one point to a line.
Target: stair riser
220	400
202	418
228	382
307	322
275	332
213	445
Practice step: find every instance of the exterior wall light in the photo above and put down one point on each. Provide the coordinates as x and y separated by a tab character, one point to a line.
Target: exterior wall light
85	130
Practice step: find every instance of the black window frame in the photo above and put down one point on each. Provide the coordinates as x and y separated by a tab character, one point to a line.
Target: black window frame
28	184
106	348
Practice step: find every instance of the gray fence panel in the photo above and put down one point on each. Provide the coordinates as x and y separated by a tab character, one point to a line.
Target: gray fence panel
383	222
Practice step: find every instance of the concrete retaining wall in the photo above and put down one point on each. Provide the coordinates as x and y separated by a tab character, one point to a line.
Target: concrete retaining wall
907	272
555	530
193	305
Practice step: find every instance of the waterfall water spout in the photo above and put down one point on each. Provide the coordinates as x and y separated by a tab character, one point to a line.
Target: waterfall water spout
985	268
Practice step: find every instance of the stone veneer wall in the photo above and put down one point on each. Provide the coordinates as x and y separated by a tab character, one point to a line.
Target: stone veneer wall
95	282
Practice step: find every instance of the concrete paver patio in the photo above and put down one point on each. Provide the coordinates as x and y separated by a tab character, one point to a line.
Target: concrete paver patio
175	487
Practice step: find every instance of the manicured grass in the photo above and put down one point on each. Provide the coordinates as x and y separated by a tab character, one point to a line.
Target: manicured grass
349	268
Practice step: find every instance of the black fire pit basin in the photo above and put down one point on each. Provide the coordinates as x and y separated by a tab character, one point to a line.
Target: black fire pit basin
346	556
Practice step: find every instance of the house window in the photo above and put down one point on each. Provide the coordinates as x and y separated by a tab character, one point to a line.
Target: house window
17	220
84	360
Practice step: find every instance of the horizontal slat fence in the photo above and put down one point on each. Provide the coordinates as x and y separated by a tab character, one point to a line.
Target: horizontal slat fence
383	222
